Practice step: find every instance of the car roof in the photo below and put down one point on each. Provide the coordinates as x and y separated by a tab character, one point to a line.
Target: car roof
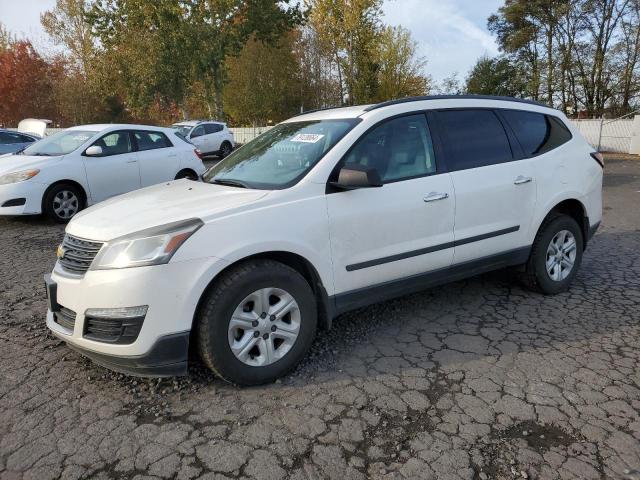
439	101
99	127
193	123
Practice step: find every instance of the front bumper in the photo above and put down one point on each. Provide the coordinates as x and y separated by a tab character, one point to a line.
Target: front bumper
29	190
170	291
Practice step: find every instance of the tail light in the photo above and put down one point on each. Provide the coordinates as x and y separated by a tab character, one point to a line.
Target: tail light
598	157
198	153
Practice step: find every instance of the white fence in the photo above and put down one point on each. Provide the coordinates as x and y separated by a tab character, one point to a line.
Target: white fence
611	135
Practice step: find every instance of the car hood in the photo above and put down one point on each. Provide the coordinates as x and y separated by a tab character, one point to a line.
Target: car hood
16	163
158	205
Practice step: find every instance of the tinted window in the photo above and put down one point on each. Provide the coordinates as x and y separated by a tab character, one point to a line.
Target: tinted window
537	133
198	131
115	143
152	140
473	138
10	137
212	128
400	148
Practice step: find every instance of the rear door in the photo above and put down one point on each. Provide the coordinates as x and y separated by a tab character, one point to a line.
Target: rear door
213	132
157	156
398	230
116	171
495	192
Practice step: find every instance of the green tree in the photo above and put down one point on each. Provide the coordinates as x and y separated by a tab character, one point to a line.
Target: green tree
350	31
401	70
496	76
263	84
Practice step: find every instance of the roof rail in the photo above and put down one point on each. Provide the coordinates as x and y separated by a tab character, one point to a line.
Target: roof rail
453	97
323	109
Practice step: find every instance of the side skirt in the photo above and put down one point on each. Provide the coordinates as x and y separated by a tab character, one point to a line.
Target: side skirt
362	297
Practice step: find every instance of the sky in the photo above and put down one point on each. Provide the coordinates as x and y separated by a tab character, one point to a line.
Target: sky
451	34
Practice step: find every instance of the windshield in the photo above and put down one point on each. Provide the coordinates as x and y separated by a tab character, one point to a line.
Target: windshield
182	129
280	157
59	144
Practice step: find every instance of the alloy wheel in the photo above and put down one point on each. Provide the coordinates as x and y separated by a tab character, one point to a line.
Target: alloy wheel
561	255
264	327
66	204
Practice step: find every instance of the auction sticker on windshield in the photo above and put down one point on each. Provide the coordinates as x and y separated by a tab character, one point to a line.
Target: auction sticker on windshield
307	137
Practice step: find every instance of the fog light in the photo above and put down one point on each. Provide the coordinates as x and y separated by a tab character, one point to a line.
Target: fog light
113	313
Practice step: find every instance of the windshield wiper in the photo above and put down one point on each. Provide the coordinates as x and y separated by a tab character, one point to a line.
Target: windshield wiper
230	182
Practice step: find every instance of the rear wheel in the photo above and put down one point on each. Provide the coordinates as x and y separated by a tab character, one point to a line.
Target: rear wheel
62	202
555	256
256	323
225	149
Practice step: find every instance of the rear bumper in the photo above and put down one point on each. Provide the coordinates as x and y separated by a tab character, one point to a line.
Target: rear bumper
167	358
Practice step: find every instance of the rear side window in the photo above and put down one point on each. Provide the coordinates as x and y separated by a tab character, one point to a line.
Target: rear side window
212	128
152	140
537	133
473	138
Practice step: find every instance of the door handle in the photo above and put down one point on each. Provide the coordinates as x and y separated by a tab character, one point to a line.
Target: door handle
131	161
435	196
521	180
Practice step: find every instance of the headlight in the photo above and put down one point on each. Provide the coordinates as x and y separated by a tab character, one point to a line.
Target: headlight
154	246
16	177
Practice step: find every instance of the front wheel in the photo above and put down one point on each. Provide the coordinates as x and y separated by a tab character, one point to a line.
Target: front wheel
256	323
555	256
62	202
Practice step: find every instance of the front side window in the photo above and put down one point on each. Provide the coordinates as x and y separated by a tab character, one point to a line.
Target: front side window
115	143
398	149
61	143
537	133
473	138
281	156
151	140
198	131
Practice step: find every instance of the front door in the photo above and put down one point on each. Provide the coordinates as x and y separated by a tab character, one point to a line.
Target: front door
398	230
116	170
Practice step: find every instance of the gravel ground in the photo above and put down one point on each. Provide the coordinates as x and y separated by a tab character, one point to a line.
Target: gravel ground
474	380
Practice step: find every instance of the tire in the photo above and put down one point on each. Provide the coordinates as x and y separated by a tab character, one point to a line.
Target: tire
225	149
62	201
239	293
188	174
539	275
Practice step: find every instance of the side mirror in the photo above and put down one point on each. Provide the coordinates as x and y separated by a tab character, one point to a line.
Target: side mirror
93	151
353	177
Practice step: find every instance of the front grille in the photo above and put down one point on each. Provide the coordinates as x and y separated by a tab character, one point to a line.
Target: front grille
113	330
65	318
77	254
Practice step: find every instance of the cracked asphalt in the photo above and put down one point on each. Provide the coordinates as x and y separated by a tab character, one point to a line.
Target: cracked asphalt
474	380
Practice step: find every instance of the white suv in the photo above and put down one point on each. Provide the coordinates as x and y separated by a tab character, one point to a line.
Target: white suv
211	138
326	212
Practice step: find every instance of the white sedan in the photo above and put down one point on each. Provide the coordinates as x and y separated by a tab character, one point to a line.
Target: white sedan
78	167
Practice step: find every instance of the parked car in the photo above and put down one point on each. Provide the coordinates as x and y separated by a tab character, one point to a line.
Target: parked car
63	173
327	212
11	142
211	138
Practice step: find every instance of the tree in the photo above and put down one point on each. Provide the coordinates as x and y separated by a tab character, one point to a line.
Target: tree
401	70
349	31
5	38
25	84
161	48
496	76
263	84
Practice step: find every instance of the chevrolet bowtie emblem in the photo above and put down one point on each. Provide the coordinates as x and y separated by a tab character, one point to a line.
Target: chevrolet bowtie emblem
60	252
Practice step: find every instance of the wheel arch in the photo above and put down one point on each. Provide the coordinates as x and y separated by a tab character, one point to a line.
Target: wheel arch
186	170
295	261
576	210
79	186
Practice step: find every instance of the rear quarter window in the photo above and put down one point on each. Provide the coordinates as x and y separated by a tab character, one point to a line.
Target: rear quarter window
536	132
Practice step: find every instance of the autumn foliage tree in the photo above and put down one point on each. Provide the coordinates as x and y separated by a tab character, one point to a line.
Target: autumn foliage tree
26	84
